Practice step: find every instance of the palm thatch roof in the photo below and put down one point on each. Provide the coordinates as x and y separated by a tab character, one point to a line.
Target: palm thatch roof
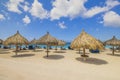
47	39
1	41
85	40
34	41
16	39
114	41
61	43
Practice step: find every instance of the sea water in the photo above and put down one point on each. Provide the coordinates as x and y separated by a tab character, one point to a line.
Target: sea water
65	46
44	46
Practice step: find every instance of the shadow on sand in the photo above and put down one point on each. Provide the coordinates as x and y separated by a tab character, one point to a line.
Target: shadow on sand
59	52
92	61
81	53
3	52
38	50
23	55
4	49
117	55
21	51
54	57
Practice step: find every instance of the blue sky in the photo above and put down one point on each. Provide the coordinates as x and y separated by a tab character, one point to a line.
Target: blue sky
64	19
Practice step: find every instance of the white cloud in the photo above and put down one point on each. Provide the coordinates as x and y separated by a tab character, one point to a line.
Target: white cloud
26	8
2	17
112	3
67	8
97	9
38	11
26	20
13	5
62	25
93	11
111	19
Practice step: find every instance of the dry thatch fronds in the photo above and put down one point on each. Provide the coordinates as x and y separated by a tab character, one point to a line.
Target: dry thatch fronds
16	39
85	40
61	43
34	41
48	40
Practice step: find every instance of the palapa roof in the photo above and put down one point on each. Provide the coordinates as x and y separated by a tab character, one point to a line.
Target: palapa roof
1	41
34	41
61	43
114	41
48	40
85	40
16	39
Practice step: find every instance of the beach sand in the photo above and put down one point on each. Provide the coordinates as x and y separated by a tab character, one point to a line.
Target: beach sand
68	65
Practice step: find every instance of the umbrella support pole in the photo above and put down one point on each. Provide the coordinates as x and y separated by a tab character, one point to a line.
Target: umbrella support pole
56	48
79	51
47	50
113	50
84	51
16	49
35	47
84	56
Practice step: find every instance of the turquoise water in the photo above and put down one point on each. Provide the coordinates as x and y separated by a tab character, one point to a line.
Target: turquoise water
42	46
65	46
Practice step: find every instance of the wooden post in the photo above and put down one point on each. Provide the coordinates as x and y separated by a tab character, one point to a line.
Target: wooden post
35	47
47	50
16	49
56	48
113	50
79	50
83	51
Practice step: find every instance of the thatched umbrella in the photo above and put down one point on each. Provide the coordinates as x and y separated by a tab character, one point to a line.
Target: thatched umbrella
34	41
48	40
16	39
60	43
86	41
113	42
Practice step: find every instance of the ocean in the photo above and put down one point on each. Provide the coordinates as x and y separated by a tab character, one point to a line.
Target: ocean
42	46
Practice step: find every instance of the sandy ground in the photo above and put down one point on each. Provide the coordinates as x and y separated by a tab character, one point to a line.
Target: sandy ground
68	65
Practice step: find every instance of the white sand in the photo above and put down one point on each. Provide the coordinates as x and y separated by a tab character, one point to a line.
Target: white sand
59	66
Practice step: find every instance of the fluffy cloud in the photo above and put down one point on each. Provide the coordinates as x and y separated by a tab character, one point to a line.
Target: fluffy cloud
2	17
96	10
67	8
13	5
62	25
111	19
38	11
25	6
26	20
112	3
